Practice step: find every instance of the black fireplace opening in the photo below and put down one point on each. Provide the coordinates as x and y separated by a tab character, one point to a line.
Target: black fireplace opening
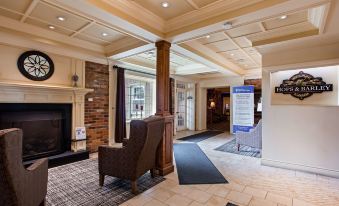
46	127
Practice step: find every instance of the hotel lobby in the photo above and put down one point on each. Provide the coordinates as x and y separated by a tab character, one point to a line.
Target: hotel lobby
169	102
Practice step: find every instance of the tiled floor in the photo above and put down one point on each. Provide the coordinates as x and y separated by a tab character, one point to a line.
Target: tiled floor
250	184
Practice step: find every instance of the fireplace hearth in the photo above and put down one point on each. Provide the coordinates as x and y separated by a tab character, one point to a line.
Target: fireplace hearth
46	128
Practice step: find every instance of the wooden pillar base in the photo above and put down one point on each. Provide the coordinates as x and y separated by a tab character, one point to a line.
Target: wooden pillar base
165	149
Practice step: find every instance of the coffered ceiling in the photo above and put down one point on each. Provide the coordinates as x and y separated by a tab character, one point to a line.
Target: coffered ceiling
48	16
209	38
179	65
237	45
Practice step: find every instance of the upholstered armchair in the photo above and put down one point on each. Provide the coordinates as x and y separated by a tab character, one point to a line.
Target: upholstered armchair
20	186
137	156
253	138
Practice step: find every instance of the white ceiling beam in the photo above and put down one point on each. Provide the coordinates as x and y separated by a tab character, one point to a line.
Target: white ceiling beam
29	10
241	49
132	52
207	62
193	4
83	28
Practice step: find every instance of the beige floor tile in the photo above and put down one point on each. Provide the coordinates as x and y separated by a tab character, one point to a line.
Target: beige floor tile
261	202
255	192
297	202
139	200
155	203
182	189
279	199
196	204
239	197
235	186
161	194
218	190
216	201
198	196
178	200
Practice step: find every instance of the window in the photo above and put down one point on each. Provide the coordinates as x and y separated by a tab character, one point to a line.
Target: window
139	97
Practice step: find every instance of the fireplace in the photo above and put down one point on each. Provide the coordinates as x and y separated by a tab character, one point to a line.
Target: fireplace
46	127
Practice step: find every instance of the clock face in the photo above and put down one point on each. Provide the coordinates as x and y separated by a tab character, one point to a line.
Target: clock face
35	65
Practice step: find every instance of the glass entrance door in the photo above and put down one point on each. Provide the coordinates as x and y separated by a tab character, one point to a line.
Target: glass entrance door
181	109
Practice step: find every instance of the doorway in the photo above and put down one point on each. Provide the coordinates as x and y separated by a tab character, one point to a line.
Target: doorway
181	112
218	109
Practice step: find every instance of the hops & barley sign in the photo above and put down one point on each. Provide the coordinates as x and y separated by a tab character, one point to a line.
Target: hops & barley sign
303	85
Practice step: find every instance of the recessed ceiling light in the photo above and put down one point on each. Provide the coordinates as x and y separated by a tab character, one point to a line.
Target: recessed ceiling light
232	54
283	17
208	36
51	27
104	34
165	4
61	18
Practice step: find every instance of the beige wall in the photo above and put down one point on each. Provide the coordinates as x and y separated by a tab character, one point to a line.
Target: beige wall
302	137
64	68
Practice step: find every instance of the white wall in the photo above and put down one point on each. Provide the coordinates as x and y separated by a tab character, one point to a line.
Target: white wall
301	137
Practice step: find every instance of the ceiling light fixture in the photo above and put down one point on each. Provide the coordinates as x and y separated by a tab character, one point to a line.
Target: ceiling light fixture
283	17
104	34
208	36
165	4
51	27
61	18
232	54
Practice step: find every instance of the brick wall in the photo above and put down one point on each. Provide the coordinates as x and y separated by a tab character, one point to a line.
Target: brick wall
96	111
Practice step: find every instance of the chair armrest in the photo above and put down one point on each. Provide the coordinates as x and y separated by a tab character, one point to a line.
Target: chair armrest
38	164
36	178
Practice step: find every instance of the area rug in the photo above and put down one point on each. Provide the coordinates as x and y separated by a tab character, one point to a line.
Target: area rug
231	147
77	184
200	136
194	167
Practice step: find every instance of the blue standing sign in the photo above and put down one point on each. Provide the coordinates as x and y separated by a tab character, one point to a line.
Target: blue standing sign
243	108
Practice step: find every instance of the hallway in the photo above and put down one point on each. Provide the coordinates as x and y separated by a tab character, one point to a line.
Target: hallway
250	184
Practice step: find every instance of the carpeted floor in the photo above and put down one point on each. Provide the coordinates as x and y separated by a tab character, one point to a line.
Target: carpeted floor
231	147
200	136
77	184
194	167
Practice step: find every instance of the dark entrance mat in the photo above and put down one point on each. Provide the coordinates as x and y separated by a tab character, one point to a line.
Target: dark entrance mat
194	167
245	150
77	184
201	136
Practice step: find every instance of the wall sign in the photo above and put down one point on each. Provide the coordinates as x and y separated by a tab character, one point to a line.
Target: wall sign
303	85
35	65
243	108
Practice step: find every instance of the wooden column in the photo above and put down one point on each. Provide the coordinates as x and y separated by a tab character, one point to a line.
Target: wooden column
165	149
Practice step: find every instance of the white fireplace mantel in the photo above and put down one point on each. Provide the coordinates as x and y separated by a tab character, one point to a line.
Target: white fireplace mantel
14	92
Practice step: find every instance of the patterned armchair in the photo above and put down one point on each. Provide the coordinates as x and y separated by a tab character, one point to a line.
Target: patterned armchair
20	186
253	138
137	156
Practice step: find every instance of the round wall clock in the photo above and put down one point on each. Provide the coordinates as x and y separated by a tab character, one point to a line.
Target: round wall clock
35	65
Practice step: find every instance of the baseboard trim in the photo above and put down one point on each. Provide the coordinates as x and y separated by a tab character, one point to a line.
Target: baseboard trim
298	167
